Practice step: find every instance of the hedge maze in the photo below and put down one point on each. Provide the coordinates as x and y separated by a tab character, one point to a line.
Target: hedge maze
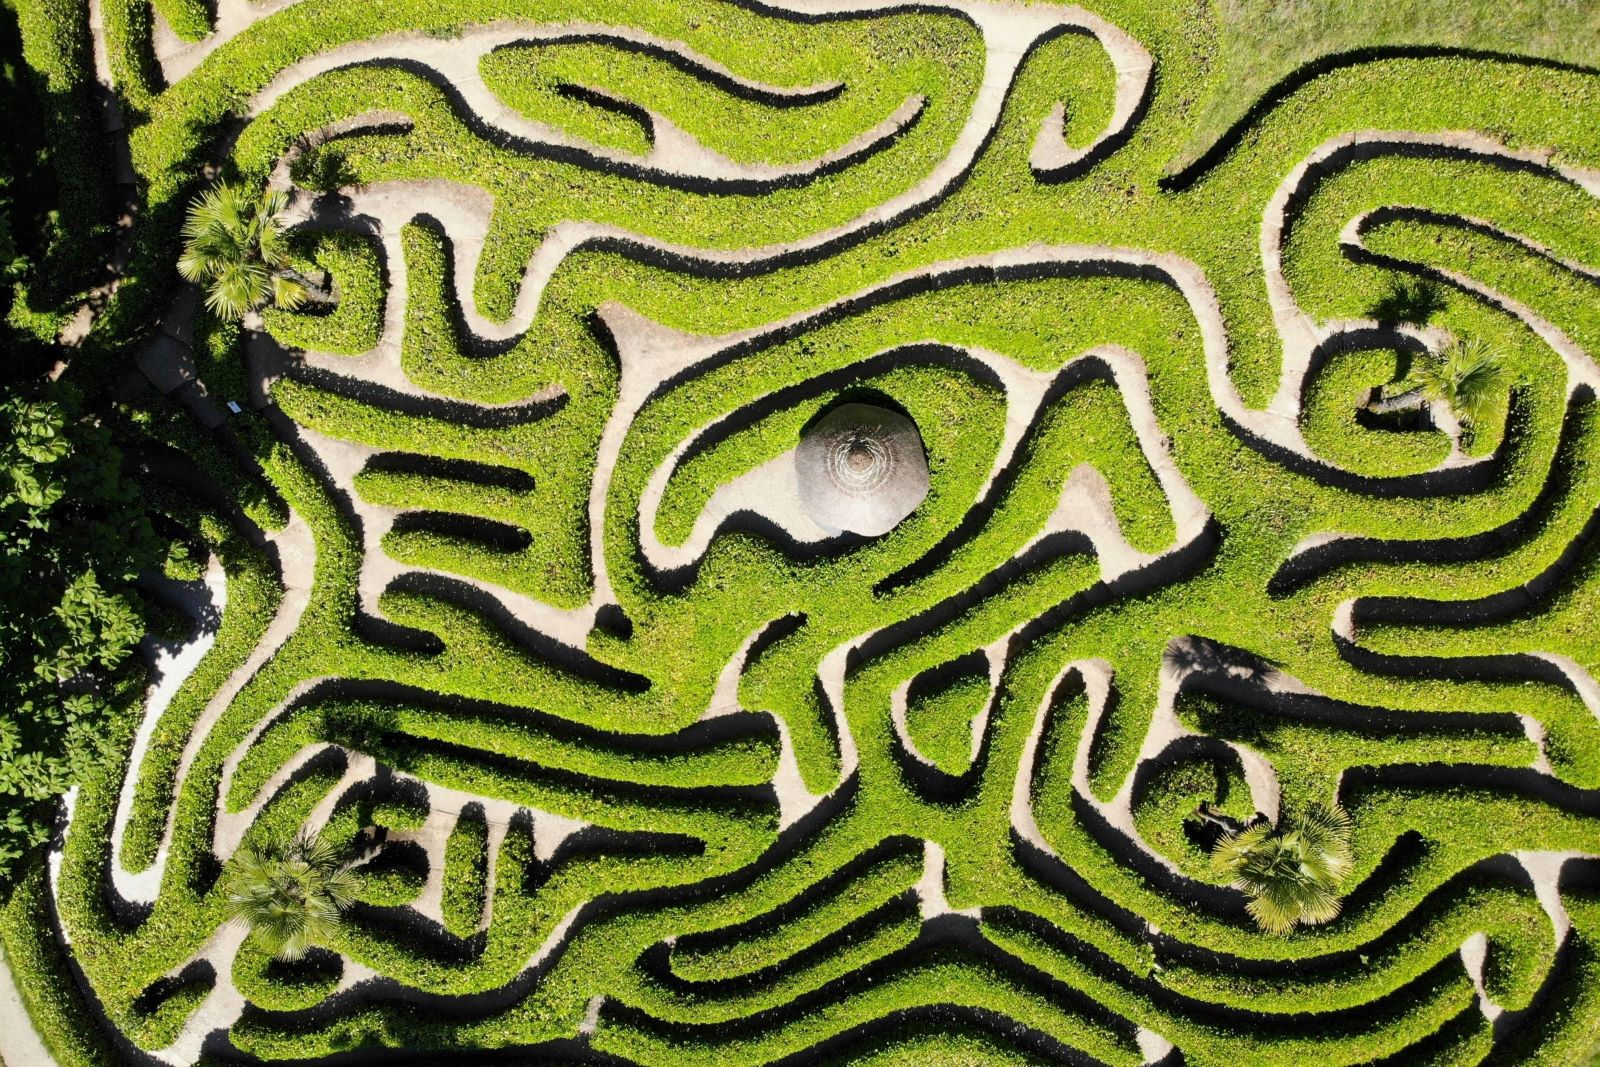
510	590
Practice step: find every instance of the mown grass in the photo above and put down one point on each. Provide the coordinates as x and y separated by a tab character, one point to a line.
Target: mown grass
1261	43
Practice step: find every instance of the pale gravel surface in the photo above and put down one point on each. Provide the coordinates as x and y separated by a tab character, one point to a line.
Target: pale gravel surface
171	667
20	1043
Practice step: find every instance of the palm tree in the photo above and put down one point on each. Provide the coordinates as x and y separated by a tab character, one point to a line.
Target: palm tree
234	246
1291	871
1467	376
291	894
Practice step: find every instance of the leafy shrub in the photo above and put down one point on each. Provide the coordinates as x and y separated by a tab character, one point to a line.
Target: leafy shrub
353	325
234	246
73	536
466	870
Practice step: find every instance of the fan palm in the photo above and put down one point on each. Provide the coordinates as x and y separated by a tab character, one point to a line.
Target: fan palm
234	246
1467	376
1291	871
291	894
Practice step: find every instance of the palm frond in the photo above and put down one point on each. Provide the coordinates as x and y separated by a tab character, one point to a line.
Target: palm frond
194	265
237	289
1468	377
273	203
213	209
234	246
1233	852
287	293
291	894
1273	914
273	249
1291	872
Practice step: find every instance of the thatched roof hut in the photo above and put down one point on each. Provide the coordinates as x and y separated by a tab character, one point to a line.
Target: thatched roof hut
861	469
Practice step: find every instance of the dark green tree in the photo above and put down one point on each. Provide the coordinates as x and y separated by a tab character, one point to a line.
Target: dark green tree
73	537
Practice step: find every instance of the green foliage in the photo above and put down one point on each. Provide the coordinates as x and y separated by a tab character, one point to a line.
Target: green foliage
289	893
941	722
12	261
277	985
388	881
1260	43
1292	871
72	539
1469	376
1165	807
253	593
236	249
353	325
1331	424
56	215
189	19
166	423
492	712
466	868
43	974
129	28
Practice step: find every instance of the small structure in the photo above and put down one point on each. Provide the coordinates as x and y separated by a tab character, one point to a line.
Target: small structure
861	469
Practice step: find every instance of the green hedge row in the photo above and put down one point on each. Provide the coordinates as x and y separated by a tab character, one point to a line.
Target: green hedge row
129	27
537	80
41	969
532	738
253	595
466	872
189	19
354	324
56	47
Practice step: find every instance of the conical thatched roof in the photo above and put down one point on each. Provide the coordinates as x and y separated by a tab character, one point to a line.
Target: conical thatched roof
861	469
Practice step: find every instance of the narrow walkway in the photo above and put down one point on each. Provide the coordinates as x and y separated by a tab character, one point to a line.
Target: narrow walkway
20	1043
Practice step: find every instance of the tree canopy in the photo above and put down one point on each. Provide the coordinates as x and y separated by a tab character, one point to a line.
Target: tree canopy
73	537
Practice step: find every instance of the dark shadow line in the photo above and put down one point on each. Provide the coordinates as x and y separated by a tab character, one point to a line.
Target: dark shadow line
483	475
1305	567
474	416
